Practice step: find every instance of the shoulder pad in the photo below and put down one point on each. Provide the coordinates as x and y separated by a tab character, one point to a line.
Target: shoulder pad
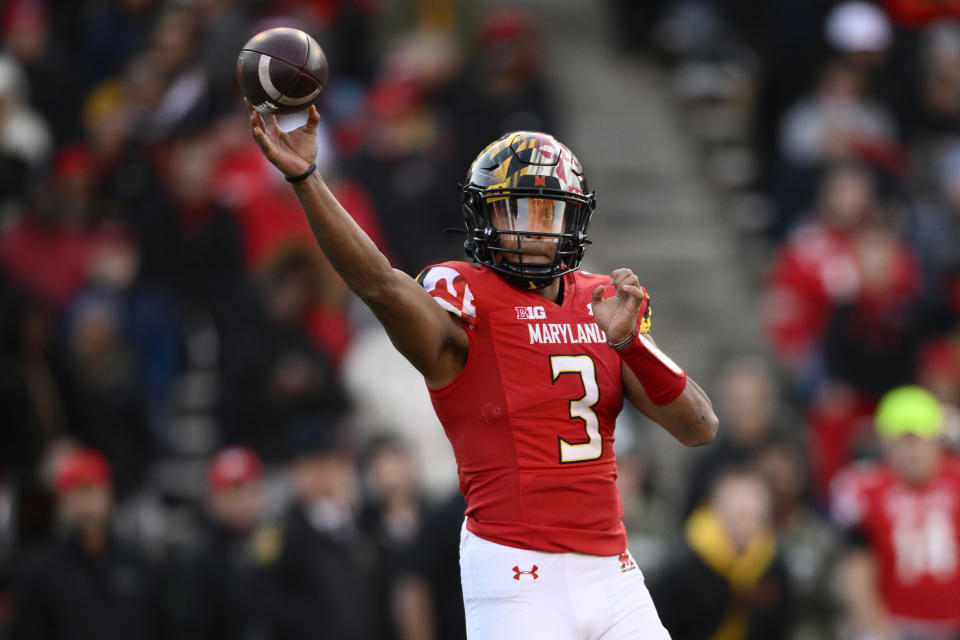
449	288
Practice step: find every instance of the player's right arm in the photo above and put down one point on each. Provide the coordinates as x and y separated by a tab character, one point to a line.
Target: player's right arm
427	335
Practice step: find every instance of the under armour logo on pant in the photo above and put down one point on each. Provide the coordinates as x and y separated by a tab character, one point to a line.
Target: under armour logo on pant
518	573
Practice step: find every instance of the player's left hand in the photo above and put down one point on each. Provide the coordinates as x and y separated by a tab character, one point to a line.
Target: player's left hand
617	315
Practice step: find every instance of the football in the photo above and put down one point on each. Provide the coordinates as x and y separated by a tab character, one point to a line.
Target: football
282	70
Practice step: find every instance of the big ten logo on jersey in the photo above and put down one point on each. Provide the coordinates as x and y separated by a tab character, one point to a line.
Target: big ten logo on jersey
531	313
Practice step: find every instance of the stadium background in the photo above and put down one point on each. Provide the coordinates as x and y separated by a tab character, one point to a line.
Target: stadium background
783	176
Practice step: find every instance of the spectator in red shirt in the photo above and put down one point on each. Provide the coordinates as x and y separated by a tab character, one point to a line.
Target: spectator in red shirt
817	269
900	578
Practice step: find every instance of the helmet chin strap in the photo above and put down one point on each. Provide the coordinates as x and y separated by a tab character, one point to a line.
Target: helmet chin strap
516	273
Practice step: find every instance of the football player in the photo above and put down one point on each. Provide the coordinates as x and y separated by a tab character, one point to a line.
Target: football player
528	361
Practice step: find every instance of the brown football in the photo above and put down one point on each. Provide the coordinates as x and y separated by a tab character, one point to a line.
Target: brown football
282	70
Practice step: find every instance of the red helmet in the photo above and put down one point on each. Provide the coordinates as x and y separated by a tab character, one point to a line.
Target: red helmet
82	468
232	466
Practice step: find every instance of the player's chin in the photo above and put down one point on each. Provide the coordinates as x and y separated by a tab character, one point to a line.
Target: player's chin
536	259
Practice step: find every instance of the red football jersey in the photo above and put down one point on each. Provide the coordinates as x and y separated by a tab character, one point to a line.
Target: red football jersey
531	416
914	532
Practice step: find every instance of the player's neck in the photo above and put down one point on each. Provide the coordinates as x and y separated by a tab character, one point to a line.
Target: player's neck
553	292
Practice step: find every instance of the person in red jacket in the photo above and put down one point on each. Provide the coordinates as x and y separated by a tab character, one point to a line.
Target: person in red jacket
528	361
901	576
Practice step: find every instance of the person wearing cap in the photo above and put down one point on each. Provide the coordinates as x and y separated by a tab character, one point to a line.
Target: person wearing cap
224	584
85	583
326	575
900	578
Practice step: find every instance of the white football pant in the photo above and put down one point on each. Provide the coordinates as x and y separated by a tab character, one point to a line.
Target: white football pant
519	594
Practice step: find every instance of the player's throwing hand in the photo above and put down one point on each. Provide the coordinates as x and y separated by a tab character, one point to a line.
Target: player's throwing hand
293	152
617	315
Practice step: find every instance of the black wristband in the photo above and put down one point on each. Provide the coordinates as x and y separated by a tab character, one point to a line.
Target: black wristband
303	176
623	345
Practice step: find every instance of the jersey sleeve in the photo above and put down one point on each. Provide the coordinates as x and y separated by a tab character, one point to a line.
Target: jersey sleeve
451	291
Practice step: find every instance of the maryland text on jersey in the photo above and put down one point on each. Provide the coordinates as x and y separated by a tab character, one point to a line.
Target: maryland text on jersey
565	333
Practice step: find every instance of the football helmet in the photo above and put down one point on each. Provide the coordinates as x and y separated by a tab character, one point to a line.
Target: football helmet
526	186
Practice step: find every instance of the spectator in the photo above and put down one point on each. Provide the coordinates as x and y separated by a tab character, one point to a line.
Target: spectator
431	594
934	231
933	101
808	541
30	389
861	33
54	223
405	164
901	574
272	370
872	339
204	236
728	580
102	396
837	122
55	74
25	139
112	35
223	592
502	87
869	348
393	514
24	133
86	583
748	406
816	270
325	575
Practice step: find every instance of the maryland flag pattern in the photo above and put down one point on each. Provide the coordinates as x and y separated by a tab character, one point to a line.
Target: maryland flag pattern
645	317
451	292
528	159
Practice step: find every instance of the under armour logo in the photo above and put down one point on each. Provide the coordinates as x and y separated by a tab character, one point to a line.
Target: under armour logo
532	572
626	562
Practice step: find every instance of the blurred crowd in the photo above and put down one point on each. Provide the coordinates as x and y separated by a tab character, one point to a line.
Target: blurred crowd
830	141
162	300
203	438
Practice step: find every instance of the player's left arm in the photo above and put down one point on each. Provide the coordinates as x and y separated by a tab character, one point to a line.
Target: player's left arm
652	382
689	417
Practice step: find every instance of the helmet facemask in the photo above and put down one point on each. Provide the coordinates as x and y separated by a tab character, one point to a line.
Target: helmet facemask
509	224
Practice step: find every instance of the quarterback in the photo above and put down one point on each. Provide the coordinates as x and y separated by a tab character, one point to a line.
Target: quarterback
528	361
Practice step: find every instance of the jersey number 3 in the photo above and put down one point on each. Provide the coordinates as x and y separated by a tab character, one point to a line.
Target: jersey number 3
581	408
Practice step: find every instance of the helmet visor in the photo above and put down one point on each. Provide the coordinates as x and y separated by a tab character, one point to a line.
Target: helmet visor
529	215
